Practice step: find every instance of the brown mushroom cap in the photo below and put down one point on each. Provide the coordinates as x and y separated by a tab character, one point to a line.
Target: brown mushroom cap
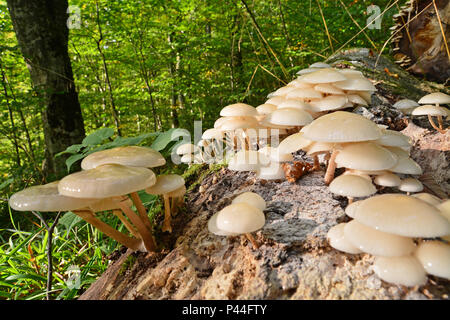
435	258
166	183
337	240
252	199
365	156
405	270
402	215
240	218
46	198
133	156
377	242
341	126
352	186
106	181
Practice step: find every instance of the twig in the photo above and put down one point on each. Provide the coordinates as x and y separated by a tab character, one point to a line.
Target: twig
326	27
49	249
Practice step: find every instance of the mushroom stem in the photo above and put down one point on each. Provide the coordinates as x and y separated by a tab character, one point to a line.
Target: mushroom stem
430	119
146	233
89	217
350	199
316	162
167	215
126	223
141	209
252	240
329	174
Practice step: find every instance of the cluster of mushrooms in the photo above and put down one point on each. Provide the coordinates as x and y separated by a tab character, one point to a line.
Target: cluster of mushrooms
431	107
109	181
242	217
403	232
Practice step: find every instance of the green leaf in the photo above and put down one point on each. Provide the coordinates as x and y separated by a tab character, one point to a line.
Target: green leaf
166	137
35	277
6	183
75	148
69	220
72	159
98	136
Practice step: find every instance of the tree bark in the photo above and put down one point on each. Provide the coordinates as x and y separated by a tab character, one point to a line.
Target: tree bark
42	34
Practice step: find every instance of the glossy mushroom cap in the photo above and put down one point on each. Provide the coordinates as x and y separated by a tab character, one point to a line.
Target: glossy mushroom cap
337	240
394	139
387	180
405	270
165	184
133	156
405	104
350	210
289	117
429	198
324	75
240	218
303	94
410	185
377	242
247	160
402	215
352	186
332	102
187	148
266	108
293	143
212	227
365	156
46	198
327	88
435	258
429	109
106	181
342	126
356	84
435	98
252	199
238	109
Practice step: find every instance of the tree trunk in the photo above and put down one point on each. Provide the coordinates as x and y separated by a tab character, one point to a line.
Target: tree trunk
42	34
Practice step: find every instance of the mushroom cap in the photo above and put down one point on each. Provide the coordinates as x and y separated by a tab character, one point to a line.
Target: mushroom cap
281	92
331	102
247	160
357	99
106	181
274	171
410	185
365	156
289	117
166	183
402	215
394	139
212	227
238	109
323	75
444	208
406	166
356	84
320	65
293	143
366	95
187	148
304	93
429	198
218	123
294	104
212	133
351	208
241	122
320	147
307	70
405	104
435	98
275	100
266	108
337	240
133	156
177	193
252	199
342	126
352	186
387	180
435	258
357	173
240	218
327	88
429	109
299	84
46	198
405	270
377	242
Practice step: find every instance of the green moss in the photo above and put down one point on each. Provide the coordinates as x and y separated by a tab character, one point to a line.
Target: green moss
127	264
197	172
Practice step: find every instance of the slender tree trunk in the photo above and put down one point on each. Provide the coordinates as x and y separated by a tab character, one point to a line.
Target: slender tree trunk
173	96
42	34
